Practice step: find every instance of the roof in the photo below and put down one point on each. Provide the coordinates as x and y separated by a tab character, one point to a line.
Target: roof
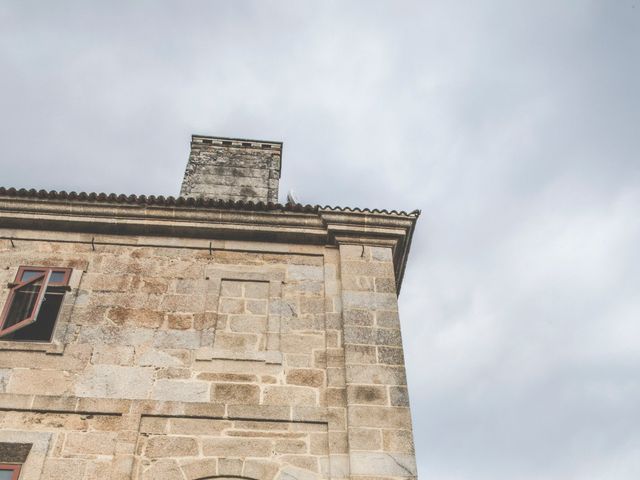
201	203
198	218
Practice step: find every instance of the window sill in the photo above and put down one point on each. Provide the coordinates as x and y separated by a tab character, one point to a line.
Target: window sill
50	348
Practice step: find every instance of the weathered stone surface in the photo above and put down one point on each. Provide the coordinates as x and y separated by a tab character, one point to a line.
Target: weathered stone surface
235	393
383	464
101	469
397	441
180	391
163	470
112	381
399	396
28	381
372	336
365	439
230	466
255	290
294	473
385	285
154	425
187	339
227	377
135	317
200	469
170	446
279	395
360	354
367	395
365	268
387	319
263	469
381	254
305	377
369	300
160	358
110	335
180	321
305	273
359	317
380	417
390	355
301	343
236	447
232	169
260	412
112	355
63	469
197	426
92	443
230	288
376	374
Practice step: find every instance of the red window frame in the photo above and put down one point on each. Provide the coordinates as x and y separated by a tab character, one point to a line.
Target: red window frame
43	273
64	282
11	468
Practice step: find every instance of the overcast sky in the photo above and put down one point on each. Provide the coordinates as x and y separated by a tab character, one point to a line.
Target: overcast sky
513	125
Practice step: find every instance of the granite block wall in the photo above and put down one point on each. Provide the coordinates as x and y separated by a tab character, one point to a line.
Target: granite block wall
174	359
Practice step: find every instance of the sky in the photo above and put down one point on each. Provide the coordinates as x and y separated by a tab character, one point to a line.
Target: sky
513	125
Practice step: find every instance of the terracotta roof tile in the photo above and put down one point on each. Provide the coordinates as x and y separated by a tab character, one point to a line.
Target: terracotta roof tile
170	201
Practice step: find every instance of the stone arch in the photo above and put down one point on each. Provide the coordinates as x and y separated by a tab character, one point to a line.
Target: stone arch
289	472
222	477
236	469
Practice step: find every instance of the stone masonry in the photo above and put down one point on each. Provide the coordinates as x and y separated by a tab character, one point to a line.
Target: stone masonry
199	340
230	169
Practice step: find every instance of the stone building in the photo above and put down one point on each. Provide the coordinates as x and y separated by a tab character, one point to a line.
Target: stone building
214	335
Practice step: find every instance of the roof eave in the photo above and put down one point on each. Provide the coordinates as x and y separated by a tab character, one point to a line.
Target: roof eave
315	225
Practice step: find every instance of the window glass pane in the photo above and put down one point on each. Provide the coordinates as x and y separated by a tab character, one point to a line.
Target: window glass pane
6	474
57	277
42	329
23	304
26	276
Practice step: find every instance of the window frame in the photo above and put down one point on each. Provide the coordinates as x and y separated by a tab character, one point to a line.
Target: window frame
12	467
45	274
64	283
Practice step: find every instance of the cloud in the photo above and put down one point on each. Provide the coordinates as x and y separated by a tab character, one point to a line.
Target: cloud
512	125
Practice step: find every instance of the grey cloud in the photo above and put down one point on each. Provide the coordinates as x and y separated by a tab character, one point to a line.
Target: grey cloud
512	125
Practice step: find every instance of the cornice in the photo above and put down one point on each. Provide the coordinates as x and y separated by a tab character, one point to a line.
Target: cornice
292	223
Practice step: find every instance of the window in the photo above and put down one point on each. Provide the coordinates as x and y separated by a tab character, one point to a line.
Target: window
9	472
33	304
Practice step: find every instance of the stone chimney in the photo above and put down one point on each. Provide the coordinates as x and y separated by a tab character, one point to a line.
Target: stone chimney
232	169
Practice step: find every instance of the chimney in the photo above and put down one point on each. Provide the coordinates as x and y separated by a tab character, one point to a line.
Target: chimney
232	169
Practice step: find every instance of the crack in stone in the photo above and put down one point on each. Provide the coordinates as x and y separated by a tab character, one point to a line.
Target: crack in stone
400	465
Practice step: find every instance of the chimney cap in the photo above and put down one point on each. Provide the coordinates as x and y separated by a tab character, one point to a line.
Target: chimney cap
236	142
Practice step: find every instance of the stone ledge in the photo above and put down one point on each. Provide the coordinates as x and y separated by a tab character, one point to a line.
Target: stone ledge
204	354
322	227
109	406
51	348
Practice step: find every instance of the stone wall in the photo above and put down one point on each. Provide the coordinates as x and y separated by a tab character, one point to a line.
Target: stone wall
379	419
185	359
230	169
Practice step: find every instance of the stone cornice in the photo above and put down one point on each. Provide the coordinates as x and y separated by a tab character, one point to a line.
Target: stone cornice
282	224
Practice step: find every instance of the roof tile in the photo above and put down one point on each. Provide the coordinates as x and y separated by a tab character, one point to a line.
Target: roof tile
171	201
